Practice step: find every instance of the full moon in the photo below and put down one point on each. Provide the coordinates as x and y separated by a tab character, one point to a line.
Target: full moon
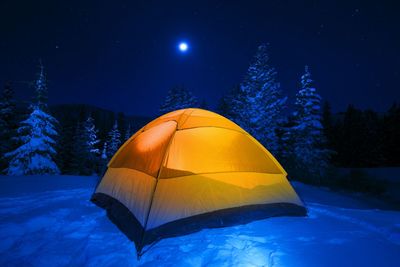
183	47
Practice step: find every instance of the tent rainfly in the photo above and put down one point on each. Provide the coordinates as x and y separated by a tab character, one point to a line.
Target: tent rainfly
192	169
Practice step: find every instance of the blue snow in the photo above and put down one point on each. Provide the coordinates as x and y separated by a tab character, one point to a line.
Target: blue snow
49	221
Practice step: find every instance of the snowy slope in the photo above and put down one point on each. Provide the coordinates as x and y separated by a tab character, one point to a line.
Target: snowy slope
52	223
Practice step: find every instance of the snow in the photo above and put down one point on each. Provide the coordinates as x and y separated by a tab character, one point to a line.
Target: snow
91	136
114	140
258	105
49	221
34	155
178	97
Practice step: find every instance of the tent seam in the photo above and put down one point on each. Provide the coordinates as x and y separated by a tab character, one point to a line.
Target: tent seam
187	117
155	186
220	127
133	137
205	173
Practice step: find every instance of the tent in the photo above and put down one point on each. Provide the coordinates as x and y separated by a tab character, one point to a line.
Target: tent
192	169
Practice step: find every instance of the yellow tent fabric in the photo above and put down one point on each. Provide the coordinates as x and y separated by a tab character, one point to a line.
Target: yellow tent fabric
189	169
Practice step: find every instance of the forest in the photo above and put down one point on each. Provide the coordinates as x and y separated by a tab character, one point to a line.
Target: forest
309	140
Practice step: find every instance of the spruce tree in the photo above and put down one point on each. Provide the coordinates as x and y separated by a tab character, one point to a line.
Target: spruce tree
103	159
65	155
114	140
178	97
226	105
36	152
92	144
91	136
258	106
41	88
81	152
351	138
203	104
374	139
391	133
36	137
121	119
327	123
128	132
86	154
311	157
104	152
8	123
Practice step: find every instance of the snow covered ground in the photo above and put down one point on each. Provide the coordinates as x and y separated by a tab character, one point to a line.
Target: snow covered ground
49	221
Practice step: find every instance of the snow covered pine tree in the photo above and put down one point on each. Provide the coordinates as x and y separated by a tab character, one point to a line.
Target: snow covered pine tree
92	143
309	152
226	106
91	136
85	152
80	152
178	97
128	132
36	137
114	140
104	152
258	106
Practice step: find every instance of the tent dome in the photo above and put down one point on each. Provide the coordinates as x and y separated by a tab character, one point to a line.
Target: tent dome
191	169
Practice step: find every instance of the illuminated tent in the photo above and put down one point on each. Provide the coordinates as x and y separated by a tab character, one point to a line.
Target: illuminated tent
192	169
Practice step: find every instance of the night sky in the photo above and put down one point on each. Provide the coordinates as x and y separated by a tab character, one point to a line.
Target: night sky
123	56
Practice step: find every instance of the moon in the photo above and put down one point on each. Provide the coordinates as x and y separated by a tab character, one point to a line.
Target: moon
183	47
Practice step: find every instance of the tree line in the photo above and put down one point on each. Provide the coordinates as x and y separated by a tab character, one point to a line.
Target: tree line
363	138
35	142
307	140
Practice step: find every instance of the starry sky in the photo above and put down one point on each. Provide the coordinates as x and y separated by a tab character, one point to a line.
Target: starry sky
123	56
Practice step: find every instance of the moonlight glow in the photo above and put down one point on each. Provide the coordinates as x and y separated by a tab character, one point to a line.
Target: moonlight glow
183	47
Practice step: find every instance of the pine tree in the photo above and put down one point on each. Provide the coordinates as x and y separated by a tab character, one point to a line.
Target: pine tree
351	135
104	153
91	136
258	106
36	152
374	139
114	140
36	135
92	142
8	123
327	123
310	154
65	148
391	133
121	120
286	143
103	159
203	104
360	139
86	154
226	106
178	97
41	88
81	152
128	132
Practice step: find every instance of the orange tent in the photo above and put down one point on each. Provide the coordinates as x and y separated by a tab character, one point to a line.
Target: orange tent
190	169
